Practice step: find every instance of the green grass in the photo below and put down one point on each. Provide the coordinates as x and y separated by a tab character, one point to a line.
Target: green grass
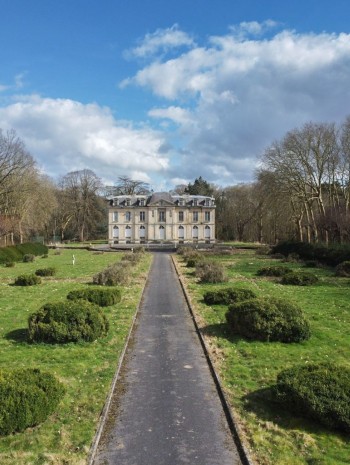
85	369
248	369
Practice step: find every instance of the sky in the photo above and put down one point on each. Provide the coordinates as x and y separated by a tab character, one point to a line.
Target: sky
167	91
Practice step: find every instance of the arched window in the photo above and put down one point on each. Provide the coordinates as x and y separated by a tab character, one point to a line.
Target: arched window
195	232
207	232
115	232
142	232
128	232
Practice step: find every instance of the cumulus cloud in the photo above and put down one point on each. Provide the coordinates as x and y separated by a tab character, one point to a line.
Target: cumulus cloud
64	135
162	40
239	93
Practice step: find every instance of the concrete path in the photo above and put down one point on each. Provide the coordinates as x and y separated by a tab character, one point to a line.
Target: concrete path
166	410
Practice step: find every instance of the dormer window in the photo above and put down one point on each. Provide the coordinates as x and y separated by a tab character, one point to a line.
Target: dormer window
195	202
142	202
128	202
181	202
207	202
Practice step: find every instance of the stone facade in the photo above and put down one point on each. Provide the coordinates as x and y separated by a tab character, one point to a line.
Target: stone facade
161	217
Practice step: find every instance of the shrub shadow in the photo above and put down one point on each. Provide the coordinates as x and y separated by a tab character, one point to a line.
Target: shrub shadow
221	330
18	335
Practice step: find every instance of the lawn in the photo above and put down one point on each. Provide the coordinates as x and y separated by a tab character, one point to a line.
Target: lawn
85	369
248	369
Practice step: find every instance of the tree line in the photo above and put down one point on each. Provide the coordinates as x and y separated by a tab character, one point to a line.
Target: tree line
301	191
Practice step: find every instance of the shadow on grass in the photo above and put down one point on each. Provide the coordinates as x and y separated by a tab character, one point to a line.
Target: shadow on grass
221	330
18	335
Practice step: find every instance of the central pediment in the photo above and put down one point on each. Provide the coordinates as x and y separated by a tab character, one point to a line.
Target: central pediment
161	199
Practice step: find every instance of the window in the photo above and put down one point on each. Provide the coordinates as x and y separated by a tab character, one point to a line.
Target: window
161	215
207	202
142	216
127	216
127	202
181	216
142	202
195	216
181	202
195	202
115	217
115	232
207	216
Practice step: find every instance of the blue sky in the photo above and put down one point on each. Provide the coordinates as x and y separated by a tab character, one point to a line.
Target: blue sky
168	91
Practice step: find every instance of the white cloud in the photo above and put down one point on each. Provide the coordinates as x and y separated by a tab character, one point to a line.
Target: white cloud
65	135
235	96
162	40
177	114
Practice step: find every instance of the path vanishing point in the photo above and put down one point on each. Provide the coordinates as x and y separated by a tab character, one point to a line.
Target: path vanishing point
165	409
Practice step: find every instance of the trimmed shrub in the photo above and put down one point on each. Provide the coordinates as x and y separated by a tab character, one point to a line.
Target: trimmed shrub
228	296
267	319
118	273
276	271
9	264
102	297
343	269
132	258
28	258
27	398
193	260
297	278
318	391
70	321
27	280
210	272
46	271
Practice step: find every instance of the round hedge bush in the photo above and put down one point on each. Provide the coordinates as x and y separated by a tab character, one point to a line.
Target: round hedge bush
27	280
228	296
46	271
343	269
114	275
267	319
210	272
27	398
296	278
276	271
28	258
70	321
318	391
102	297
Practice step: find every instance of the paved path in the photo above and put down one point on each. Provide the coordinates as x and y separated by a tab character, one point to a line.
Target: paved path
166	410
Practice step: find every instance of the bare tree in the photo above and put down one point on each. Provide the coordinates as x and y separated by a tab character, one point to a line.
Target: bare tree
81	201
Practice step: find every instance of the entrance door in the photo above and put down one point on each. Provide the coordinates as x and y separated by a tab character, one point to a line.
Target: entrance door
161	233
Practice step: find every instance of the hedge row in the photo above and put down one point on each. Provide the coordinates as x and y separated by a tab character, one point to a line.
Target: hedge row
15	253
27	398
331	255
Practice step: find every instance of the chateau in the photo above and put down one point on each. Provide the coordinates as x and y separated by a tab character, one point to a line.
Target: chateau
161	217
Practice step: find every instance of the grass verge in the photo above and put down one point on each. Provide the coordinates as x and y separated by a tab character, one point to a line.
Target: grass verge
85	369
248	369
